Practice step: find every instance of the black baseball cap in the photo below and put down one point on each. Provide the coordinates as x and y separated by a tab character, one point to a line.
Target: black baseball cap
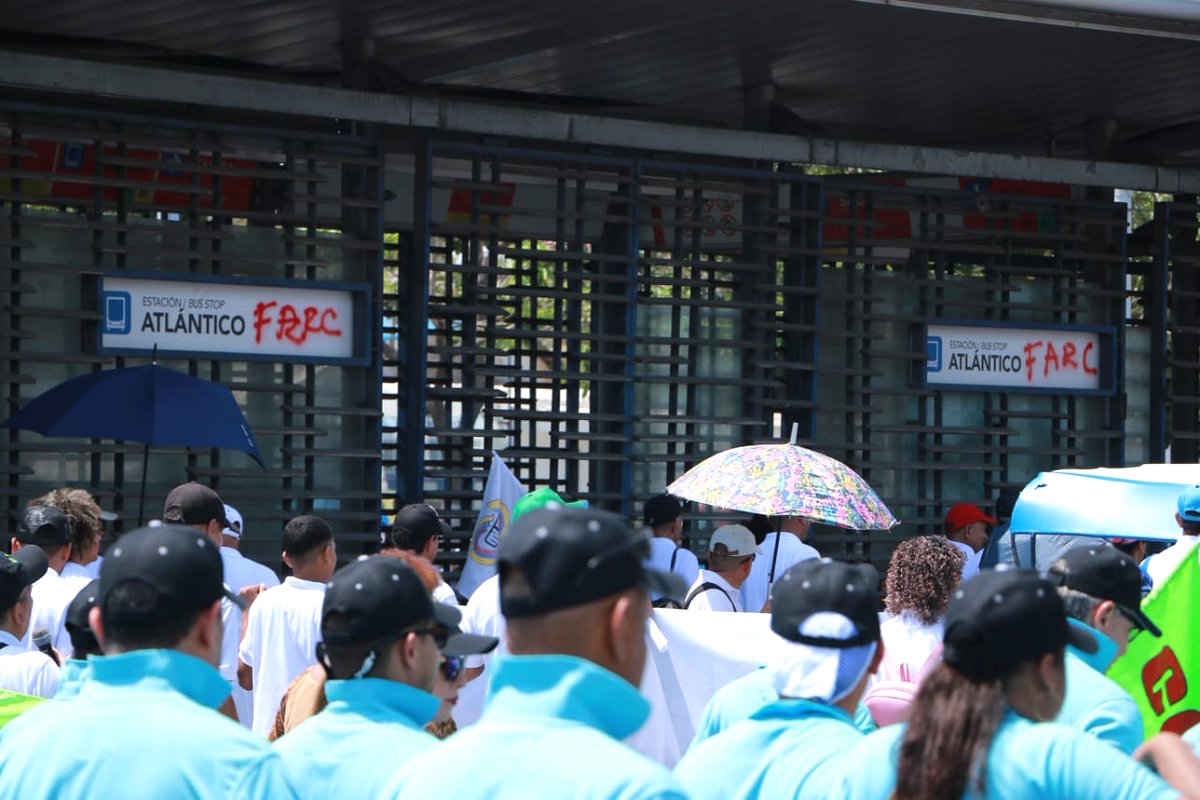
570	556
662	509
1102	571
83	638
181	565
380	597
45	526
22	568
194	504
419	522
822	585
1004	617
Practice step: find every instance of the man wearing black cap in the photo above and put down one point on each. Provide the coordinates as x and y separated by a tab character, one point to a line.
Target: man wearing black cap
663	515
1101	590
142	724
22	669
200	508
383	640
418	529
575	593
284	624
50	529
825	616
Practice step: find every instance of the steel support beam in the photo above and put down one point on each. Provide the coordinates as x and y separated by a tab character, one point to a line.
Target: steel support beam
144	83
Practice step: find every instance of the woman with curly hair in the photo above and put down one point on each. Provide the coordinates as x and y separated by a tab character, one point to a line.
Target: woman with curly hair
920	579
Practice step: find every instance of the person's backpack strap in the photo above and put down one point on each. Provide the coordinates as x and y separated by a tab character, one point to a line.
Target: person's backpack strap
674	555
704	587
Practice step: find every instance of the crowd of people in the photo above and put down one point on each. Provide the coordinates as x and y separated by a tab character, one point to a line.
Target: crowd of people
174	666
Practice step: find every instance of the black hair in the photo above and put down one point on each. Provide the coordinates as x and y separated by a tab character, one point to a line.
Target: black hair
83	642
403	537
304	534
1190	528
1006	501
135	618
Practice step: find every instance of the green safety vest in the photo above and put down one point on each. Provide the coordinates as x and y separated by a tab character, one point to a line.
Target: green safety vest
12	704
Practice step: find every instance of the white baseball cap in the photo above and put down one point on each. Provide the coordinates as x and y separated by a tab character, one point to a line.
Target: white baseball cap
235	519
738	540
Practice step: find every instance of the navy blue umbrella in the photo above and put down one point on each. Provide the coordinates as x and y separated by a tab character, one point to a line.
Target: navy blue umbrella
149	404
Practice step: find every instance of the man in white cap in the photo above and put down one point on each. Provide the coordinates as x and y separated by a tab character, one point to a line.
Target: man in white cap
240	572
824	616
731	552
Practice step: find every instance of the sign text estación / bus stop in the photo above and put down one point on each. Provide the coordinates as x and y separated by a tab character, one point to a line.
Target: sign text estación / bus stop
993	356
191	315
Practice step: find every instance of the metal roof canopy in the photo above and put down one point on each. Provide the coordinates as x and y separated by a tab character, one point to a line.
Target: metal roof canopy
1070	78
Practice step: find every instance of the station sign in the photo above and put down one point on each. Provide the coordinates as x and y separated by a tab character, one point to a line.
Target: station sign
206	317
997	356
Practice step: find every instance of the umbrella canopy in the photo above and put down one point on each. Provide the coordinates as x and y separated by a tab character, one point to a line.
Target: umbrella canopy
149	404
785	479
1129	502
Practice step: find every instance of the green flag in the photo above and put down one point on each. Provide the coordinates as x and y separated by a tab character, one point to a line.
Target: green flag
1163	674
13	703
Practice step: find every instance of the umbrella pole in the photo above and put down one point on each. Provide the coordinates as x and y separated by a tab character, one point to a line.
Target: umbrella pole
775	555
142	504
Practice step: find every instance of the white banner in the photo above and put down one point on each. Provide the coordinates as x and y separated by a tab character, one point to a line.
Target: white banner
689	656
236	318
503	490
982	357
692	654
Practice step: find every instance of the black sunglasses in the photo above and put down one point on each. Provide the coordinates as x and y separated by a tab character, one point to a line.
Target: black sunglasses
452	667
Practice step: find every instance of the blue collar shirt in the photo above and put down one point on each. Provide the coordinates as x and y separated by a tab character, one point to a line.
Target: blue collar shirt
371	727
142	724
552	728
1094	703
1042	760
788	748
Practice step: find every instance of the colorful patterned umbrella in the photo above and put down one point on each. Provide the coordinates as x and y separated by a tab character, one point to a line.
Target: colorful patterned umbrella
785	479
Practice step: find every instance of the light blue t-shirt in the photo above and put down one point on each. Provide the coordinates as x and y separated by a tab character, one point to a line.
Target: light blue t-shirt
370	728
740	698
1094	703
1026	760
71	677
788	748
143	724
551	728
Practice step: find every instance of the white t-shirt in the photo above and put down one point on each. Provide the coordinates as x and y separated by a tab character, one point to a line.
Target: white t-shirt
971	567
52	594
444	593
1160	566
723	599
93	569
792	551
241	572
73	569
908	642
281	642
482	617
687	566
24	670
